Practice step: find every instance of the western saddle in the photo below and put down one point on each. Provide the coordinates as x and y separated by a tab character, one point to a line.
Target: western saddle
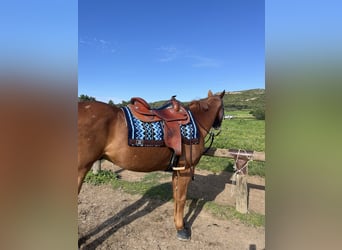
173	114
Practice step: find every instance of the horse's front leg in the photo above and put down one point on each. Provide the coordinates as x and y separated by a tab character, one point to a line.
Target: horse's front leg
180	181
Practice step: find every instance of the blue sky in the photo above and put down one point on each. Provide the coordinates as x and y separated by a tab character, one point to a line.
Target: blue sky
156	49
38	37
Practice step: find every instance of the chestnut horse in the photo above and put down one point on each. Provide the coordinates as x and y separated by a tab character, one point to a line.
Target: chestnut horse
103	133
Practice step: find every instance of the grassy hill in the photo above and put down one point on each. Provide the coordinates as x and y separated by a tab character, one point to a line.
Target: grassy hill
246	99
238	100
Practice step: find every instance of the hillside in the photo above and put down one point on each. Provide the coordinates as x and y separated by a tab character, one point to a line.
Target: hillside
246	99
236	100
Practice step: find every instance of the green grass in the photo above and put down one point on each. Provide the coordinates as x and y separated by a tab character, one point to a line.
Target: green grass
102	177
248	134
229	212
215	164
238	114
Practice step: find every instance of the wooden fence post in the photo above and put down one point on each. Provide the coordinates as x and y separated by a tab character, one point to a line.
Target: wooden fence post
241	193
241	189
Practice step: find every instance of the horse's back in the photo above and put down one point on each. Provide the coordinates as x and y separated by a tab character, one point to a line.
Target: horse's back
95	116
87	108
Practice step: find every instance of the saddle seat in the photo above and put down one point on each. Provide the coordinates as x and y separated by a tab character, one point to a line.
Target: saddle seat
173	114
171	111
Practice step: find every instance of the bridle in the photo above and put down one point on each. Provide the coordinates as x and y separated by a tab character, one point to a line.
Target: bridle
210	133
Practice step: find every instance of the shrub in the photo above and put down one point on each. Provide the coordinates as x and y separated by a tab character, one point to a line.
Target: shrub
259	114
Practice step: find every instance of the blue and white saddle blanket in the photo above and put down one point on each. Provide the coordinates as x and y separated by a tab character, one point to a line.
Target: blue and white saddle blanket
151	134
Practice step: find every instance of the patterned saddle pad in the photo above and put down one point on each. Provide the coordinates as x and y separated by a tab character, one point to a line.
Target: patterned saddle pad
151	134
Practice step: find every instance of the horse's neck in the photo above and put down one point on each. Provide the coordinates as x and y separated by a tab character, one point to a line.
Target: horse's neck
204	119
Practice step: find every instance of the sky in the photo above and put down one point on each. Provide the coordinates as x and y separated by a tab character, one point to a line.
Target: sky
156	49
38	37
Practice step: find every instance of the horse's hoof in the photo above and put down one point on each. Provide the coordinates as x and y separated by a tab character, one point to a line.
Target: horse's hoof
183	234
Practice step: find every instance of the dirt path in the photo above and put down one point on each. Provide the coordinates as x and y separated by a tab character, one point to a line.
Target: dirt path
113	219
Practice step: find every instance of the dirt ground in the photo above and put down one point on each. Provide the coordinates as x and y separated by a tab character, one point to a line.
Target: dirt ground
113	219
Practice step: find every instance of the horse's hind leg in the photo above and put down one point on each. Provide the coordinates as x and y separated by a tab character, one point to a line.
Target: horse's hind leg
82	172
180	181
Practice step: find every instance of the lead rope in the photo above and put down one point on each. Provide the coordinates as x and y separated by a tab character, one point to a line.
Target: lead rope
238	171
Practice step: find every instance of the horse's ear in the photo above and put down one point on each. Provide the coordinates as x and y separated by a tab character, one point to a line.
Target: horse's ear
222	94
210	93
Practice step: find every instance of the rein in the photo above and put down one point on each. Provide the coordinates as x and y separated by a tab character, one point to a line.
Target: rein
211	138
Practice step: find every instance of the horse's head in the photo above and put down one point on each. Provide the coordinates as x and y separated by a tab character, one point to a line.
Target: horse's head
208	112
220	110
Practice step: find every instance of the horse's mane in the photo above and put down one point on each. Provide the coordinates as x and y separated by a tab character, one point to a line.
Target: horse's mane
198	105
